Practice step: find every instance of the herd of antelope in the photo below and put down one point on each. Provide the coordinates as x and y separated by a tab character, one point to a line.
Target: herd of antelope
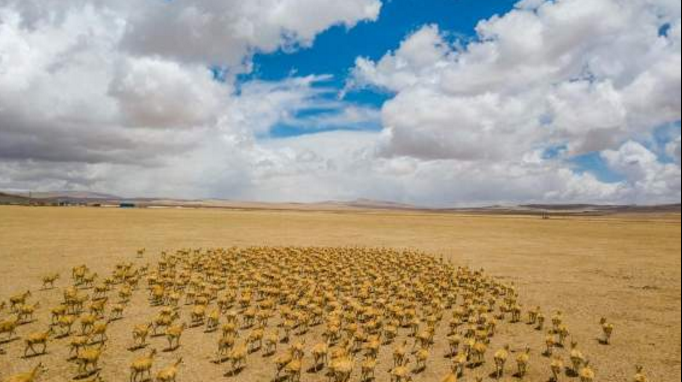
327	312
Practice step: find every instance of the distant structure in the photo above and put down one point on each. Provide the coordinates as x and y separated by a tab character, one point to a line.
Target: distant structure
127	205
545	216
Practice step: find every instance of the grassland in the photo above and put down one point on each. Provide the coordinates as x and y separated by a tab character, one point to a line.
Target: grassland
623	267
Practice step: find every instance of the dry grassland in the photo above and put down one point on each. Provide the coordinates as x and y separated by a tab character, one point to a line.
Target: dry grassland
626	268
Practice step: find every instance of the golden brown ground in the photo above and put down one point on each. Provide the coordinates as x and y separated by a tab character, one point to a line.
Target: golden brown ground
626	268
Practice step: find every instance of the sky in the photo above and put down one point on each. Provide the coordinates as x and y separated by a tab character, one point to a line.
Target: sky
428	102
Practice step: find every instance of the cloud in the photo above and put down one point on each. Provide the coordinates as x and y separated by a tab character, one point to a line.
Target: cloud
118	97
585	75
673	149
75	91
417	61
577	65
647	177
229	31
344	166
155	93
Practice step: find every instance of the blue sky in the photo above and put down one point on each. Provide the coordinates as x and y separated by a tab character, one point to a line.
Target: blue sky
334	51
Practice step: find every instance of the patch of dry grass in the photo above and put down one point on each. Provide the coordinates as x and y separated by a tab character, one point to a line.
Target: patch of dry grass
626	268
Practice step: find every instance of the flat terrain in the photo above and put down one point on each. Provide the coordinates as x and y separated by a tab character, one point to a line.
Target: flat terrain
626	268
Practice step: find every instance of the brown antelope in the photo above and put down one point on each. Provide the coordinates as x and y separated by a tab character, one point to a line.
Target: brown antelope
88	360
31	376
169	374
173	334
35	339
140	334
141	368
49	280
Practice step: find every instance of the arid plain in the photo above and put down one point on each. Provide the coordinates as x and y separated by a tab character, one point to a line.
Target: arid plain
623	267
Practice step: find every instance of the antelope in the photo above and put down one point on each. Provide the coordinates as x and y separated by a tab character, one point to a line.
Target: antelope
88	358
607	329
140	334
368	367
522	361
454	342
65	324
459	363
293	369
401	373
35	339
57	312
89	279
88	323
76	344
213	320
557	366
550	344
501	357
422	356
173	334
399	354
341	369
639	375
30	376
255	339
9	326
198	315
577	358
282	360
25	312
169	374
97	307
271	342
164	320
225	345
478	353
142	366
49	280
238	356
586	373
320	352
19	299
116	312
99	332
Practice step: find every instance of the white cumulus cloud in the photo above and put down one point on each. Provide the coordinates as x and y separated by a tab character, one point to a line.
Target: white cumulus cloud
118	96
583	75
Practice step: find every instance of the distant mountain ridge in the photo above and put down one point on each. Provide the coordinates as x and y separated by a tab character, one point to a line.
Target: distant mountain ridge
371	203
6	198
71	195
600	207
98	198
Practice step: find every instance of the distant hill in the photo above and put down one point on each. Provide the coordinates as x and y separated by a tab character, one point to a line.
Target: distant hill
605	208
373	204
572	209
12	199
73	195
98	198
